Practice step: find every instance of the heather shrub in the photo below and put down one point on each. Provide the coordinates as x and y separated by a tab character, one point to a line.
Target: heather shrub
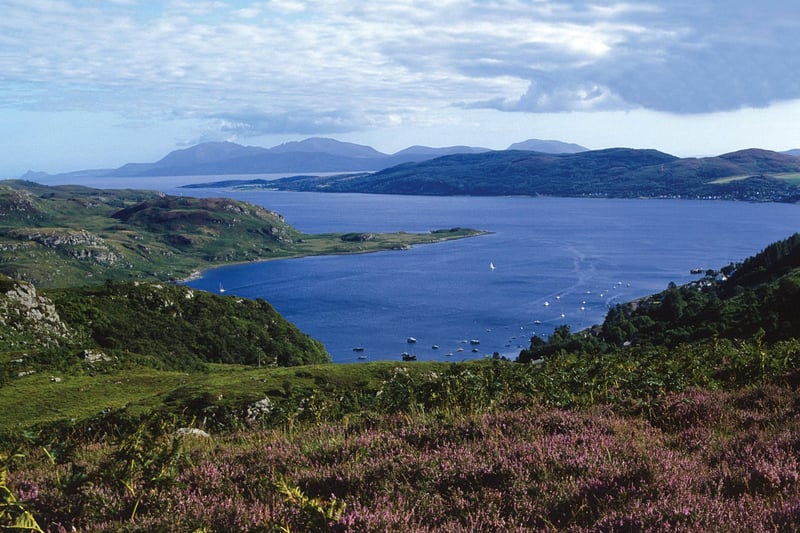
688	409
459	448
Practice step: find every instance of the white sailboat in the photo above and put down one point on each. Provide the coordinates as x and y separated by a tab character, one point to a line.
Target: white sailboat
221	288
491	265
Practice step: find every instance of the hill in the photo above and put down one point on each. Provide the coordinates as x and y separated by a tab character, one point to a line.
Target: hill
120	325
548	146
72	235
756	175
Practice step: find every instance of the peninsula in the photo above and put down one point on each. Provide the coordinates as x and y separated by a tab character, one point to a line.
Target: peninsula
72	235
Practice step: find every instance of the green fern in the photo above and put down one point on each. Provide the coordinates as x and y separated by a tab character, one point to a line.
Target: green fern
13	515
316	513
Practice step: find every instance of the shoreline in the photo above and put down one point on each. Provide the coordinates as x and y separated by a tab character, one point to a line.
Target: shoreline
199	272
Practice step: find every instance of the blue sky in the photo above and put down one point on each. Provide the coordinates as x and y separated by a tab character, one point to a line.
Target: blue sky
96	84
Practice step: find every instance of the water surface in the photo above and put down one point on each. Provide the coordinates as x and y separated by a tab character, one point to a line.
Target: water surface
558	261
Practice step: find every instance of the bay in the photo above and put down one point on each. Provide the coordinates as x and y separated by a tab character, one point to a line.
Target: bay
557	261
552	257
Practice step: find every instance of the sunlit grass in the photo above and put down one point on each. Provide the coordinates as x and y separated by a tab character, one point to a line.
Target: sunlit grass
790	177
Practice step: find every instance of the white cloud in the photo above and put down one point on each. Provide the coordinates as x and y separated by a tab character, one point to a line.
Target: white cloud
624	8
384	52
286	6
262	66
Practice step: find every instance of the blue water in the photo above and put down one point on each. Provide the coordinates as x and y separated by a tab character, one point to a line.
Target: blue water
578	255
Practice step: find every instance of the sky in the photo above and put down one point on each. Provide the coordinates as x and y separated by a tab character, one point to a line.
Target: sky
97	84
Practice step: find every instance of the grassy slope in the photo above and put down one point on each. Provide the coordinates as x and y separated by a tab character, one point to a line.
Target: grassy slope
34	400
439	447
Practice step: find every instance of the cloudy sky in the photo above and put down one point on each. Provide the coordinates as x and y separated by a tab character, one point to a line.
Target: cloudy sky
96	84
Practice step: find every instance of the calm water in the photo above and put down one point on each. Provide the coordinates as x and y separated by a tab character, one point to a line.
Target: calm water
558	261
553	257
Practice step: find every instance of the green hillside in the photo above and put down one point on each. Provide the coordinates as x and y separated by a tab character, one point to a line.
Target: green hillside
121	325
72	235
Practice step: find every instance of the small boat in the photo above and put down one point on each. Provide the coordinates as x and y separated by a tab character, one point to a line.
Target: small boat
475	350
358	349
474	341
435	347
449	354
547	304
537	322
491	265
362	356
460	350
221	288
411	340
409	356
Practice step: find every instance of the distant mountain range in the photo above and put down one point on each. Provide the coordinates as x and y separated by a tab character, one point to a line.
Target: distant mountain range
531	167
315	154
753	175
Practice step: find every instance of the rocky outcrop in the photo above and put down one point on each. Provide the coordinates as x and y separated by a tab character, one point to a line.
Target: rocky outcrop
28	319
76	244
17	203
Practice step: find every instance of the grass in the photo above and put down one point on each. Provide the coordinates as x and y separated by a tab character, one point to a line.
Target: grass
36	399
790	177
698	437
729	179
